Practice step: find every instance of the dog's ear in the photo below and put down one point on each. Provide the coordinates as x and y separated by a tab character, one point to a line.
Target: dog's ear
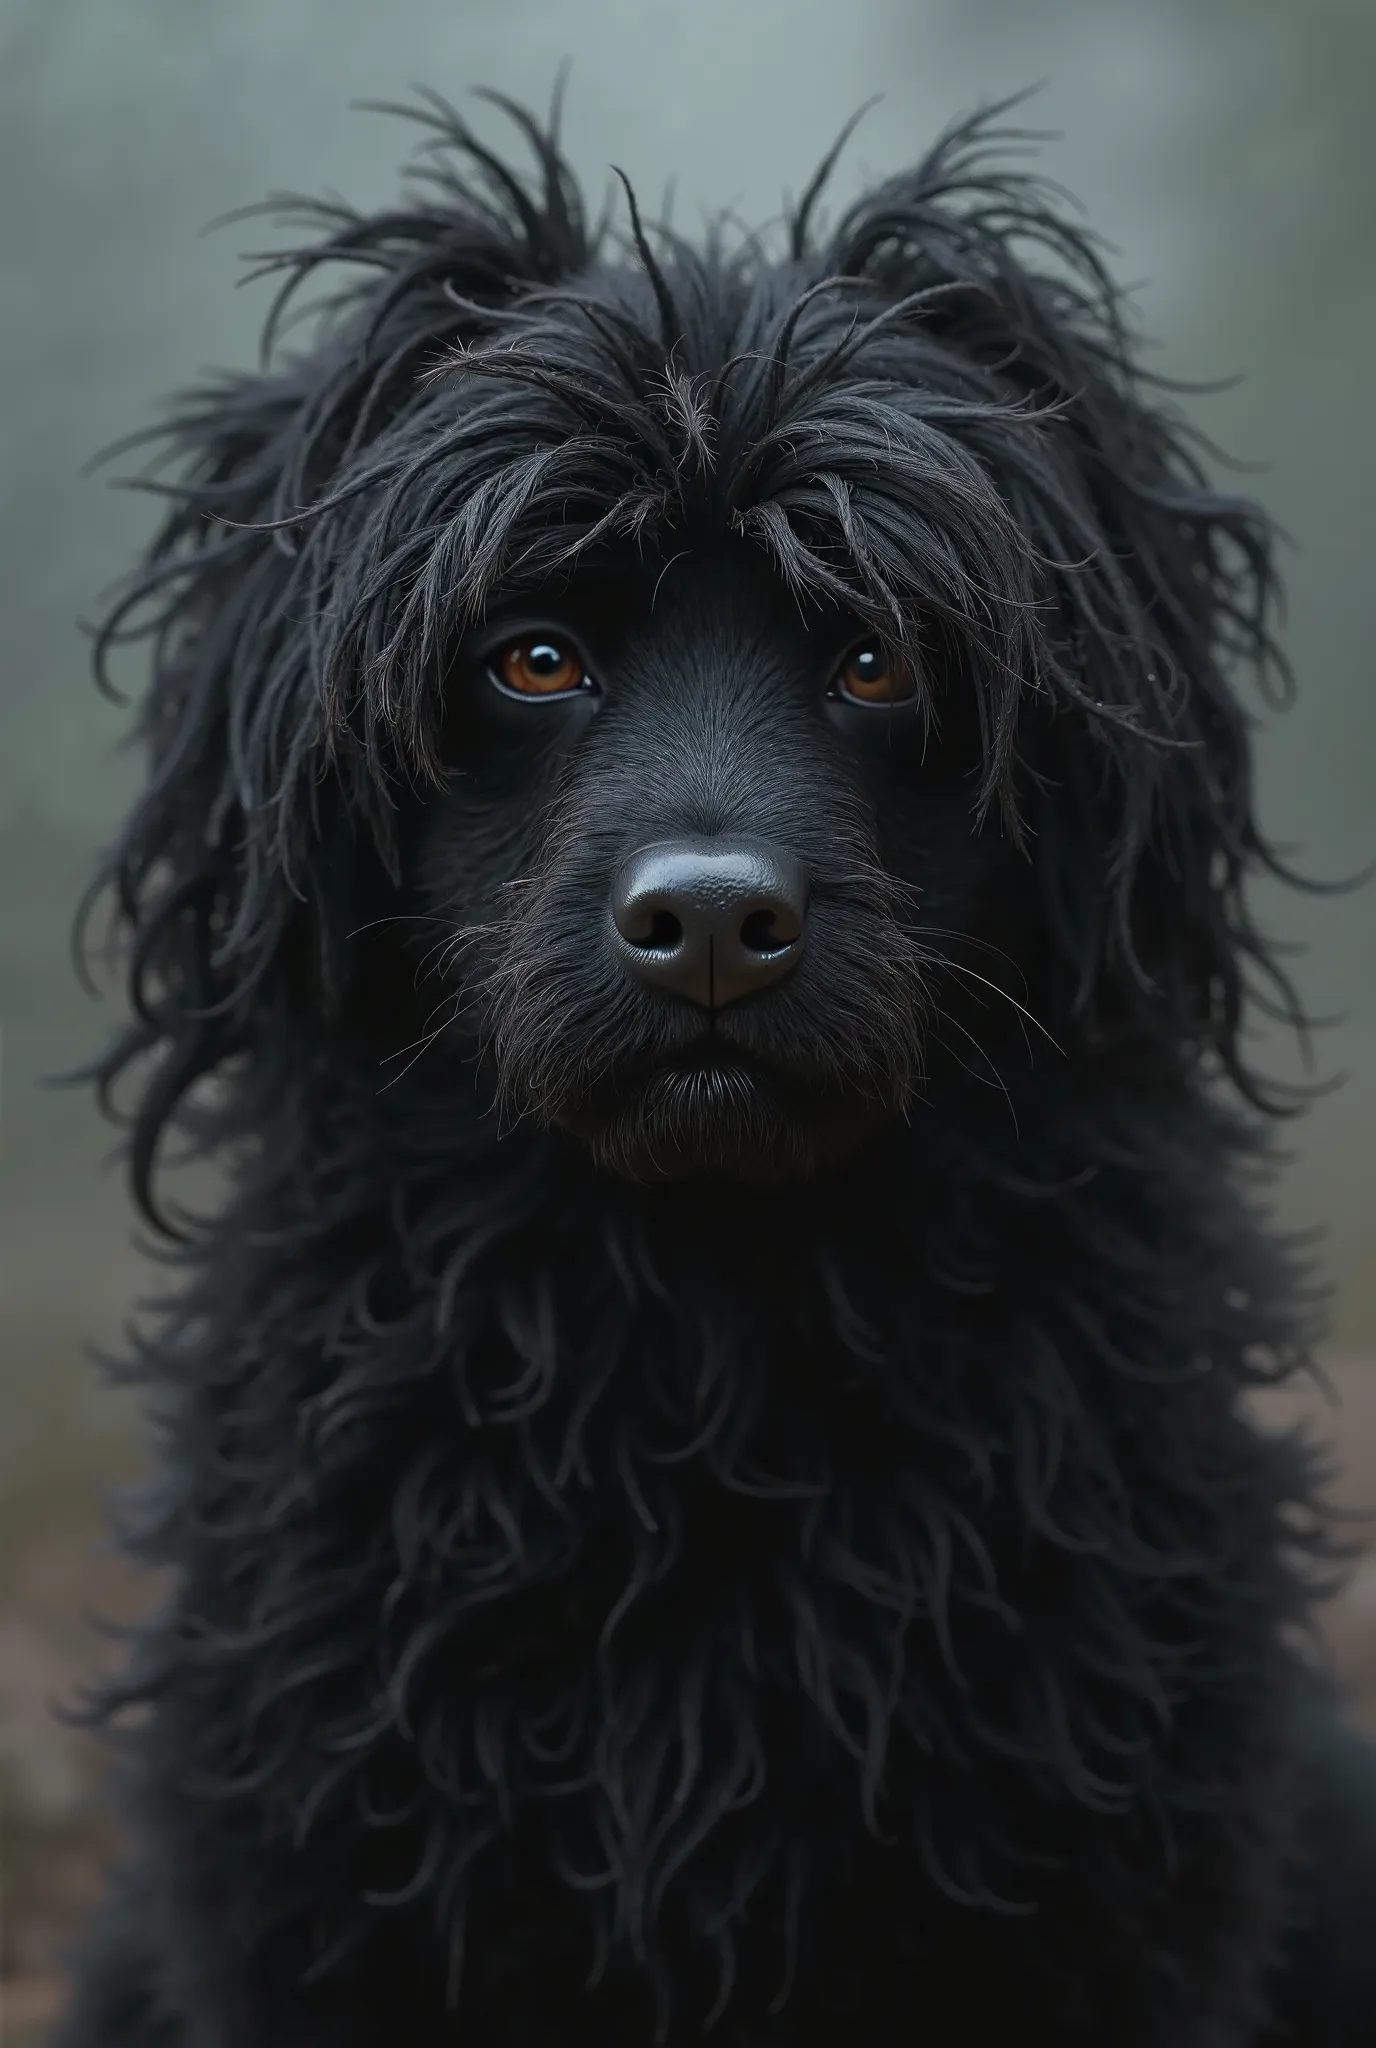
1130	770
236	875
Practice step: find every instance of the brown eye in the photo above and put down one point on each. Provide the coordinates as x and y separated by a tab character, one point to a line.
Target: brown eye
540	667
871	675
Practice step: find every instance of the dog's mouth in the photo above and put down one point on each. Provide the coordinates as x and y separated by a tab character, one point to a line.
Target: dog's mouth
713	1109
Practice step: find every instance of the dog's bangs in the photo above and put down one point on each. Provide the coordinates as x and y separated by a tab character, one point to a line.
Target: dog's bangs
543	450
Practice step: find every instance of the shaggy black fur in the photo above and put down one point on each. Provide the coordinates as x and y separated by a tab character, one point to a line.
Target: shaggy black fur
741	1518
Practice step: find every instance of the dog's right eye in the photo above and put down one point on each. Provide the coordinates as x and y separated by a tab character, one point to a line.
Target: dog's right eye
871	675
539	666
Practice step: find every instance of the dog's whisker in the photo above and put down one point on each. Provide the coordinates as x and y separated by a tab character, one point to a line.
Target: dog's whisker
969	974
395	918
990	1077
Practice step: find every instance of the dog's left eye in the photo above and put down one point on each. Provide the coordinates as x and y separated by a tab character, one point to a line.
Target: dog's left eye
539	666
871	675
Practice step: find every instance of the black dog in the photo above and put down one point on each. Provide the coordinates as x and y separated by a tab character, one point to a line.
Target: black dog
693	871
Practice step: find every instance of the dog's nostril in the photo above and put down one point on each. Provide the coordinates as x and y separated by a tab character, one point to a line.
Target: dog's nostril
659	934
762	932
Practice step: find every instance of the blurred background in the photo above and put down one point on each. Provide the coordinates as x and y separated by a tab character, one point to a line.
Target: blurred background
1226	150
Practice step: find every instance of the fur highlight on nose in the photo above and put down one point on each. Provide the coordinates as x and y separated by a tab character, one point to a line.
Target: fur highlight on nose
709	920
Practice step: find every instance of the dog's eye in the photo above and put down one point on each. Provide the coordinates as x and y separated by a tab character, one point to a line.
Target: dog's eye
539	666
870	675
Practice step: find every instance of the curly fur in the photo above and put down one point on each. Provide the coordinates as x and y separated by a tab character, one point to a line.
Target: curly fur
601	1607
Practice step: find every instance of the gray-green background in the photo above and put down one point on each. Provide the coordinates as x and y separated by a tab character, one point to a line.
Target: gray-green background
1226	147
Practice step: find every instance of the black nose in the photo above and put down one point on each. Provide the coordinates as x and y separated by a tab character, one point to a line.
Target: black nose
711	920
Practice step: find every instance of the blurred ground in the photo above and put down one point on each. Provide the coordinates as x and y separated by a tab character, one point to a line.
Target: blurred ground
57	1573
54	1836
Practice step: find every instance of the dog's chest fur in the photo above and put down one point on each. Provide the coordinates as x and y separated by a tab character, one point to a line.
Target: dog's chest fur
687	1600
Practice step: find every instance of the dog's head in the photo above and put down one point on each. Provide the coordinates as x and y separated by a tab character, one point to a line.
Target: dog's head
718	696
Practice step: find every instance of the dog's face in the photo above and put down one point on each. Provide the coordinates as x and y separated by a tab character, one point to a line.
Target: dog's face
707	861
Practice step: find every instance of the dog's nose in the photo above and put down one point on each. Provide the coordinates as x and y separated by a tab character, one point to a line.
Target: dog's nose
711	920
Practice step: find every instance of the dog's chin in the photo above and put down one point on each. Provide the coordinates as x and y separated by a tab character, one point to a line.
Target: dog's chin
723	1120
